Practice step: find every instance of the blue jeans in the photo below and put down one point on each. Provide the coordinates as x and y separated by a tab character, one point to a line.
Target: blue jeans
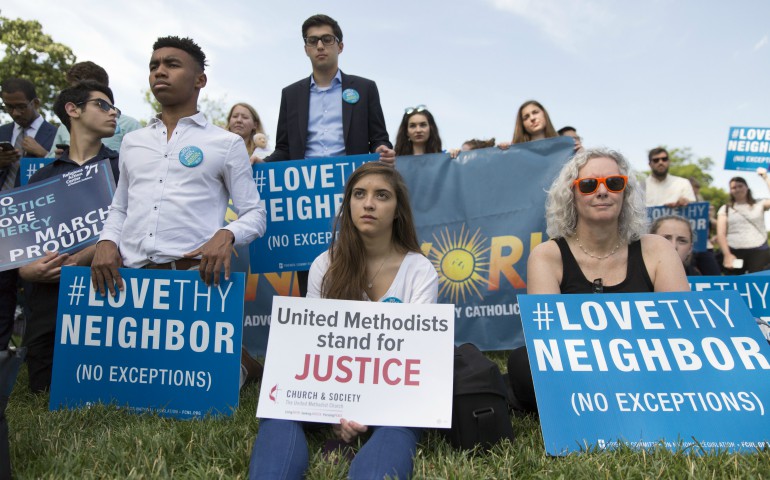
280	452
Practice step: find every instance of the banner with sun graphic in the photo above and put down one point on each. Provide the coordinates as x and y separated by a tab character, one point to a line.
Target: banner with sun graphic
478	216
258	299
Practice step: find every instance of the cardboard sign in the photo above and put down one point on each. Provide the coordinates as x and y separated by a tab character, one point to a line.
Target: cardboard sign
166	344
373	362
64	213
647	369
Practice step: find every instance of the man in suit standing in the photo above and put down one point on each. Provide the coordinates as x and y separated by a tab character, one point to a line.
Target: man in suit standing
29	133
31	136
329	114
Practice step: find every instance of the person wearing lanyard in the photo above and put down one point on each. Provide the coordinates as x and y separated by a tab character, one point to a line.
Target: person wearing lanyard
27	136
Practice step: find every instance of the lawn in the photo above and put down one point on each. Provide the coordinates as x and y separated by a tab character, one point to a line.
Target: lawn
105	442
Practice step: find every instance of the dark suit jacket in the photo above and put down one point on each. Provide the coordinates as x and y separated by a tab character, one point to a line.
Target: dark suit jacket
363	123
45	135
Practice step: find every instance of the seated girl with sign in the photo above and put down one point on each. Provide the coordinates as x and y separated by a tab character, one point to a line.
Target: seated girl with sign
375	257
597	222
678	231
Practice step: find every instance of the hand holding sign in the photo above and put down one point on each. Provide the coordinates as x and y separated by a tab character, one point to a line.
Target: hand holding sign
104	268
46	269
347	430
387	155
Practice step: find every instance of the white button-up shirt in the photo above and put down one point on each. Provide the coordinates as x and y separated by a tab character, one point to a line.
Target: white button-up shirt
163	209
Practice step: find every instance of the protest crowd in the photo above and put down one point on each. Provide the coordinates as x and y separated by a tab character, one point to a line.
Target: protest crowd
175	177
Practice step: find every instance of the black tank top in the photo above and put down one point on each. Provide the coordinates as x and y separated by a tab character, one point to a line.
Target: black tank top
573	281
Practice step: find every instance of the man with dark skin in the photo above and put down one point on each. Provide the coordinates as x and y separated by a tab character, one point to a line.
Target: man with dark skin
183	170
25	135
24	112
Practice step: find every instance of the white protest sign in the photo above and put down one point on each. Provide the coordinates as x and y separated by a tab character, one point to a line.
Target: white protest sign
372	362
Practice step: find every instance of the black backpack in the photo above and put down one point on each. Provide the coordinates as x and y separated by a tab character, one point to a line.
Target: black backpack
480	406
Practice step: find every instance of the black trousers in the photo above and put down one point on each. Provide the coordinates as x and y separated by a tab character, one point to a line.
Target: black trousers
302	277
8	300
521	379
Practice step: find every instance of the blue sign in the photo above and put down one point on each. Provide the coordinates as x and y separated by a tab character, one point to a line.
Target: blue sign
30	166
301	199
698	215
477	219
684	369
752	288
258	300
64	213
478	216
748	148
167	344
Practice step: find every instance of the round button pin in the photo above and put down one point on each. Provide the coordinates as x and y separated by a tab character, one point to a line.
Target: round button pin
190	156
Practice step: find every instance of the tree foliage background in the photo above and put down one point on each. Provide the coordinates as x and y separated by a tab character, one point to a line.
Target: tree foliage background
30	53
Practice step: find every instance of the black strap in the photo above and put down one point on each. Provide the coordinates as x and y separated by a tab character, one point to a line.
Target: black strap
487	427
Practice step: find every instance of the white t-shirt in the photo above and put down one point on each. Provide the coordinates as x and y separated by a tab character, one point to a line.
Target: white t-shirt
670	190
415	282
745	224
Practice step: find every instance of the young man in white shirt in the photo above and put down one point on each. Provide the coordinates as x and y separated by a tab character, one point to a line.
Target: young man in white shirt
182	171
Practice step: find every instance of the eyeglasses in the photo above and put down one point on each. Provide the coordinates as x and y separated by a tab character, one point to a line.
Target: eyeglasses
103	104
327	40
660	159
21	107
417	109
589	185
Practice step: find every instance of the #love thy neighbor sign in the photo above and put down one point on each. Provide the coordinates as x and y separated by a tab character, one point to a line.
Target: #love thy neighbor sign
686	369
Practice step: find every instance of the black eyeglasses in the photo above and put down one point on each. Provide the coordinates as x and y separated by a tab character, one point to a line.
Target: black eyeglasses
103	104
417	109
614	184
21	107
327	40
661	159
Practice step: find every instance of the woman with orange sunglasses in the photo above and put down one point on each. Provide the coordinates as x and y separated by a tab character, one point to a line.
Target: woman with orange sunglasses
597	222
596	216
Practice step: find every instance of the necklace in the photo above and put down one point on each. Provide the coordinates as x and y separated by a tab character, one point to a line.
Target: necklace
594	256
371	282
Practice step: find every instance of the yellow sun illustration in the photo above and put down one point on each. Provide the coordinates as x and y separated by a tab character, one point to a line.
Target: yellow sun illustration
460	261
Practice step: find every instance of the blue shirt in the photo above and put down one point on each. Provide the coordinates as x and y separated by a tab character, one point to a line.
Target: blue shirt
325	137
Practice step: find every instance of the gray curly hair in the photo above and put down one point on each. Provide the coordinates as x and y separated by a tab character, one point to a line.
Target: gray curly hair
560	211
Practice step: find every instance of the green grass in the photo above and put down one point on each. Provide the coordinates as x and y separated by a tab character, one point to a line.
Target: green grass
105	442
